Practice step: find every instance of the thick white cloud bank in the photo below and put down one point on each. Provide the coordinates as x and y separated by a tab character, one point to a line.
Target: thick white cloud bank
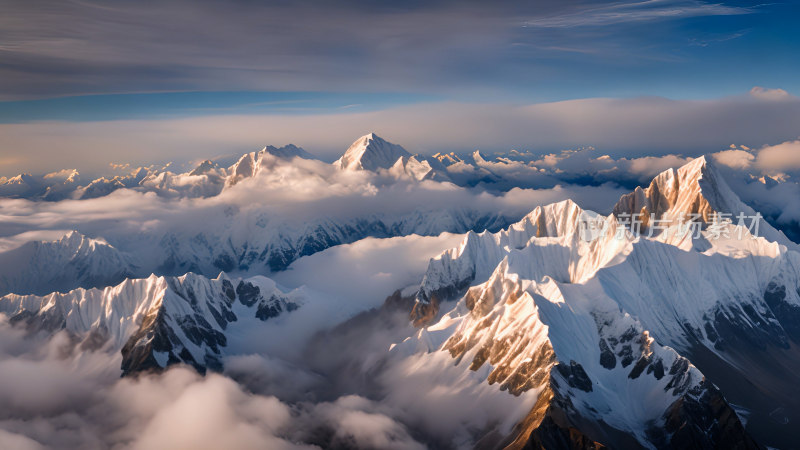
777	160
781	157
341	282
56	397
768	178
369	270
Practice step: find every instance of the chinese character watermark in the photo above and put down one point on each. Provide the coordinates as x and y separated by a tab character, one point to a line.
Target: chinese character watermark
715	226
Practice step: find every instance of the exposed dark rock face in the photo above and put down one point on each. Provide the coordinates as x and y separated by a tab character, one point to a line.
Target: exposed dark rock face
272	307
575	375
703	421
553	423
746	326
607	358
639	367
248	293
159	334
397	302
155	322
170	333
48	321
426	306
700	419
153	336
552	435
787	314
423	314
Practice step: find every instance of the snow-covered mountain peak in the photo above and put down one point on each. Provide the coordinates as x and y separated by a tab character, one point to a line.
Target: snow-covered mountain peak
288	152
18	185
250	164
20	178
371	152
555	233
695	192
203	167
39	267
672	194
619	312
64	176
555	219
75	240
532	331
156	321
696	188
478	158
243	168
447	159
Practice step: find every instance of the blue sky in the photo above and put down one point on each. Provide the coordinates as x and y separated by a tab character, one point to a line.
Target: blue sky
98	107
464	51
91	61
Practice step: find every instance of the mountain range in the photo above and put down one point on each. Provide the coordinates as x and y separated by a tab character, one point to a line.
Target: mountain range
542	331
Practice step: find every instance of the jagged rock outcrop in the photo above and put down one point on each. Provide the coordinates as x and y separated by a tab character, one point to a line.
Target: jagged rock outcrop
155	322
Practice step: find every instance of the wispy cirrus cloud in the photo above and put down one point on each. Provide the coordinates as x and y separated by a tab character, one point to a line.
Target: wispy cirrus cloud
466	48
616	13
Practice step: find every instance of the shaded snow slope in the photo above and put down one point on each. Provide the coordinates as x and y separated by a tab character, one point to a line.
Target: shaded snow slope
40	267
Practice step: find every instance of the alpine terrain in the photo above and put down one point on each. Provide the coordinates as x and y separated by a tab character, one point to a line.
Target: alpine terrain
672	321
